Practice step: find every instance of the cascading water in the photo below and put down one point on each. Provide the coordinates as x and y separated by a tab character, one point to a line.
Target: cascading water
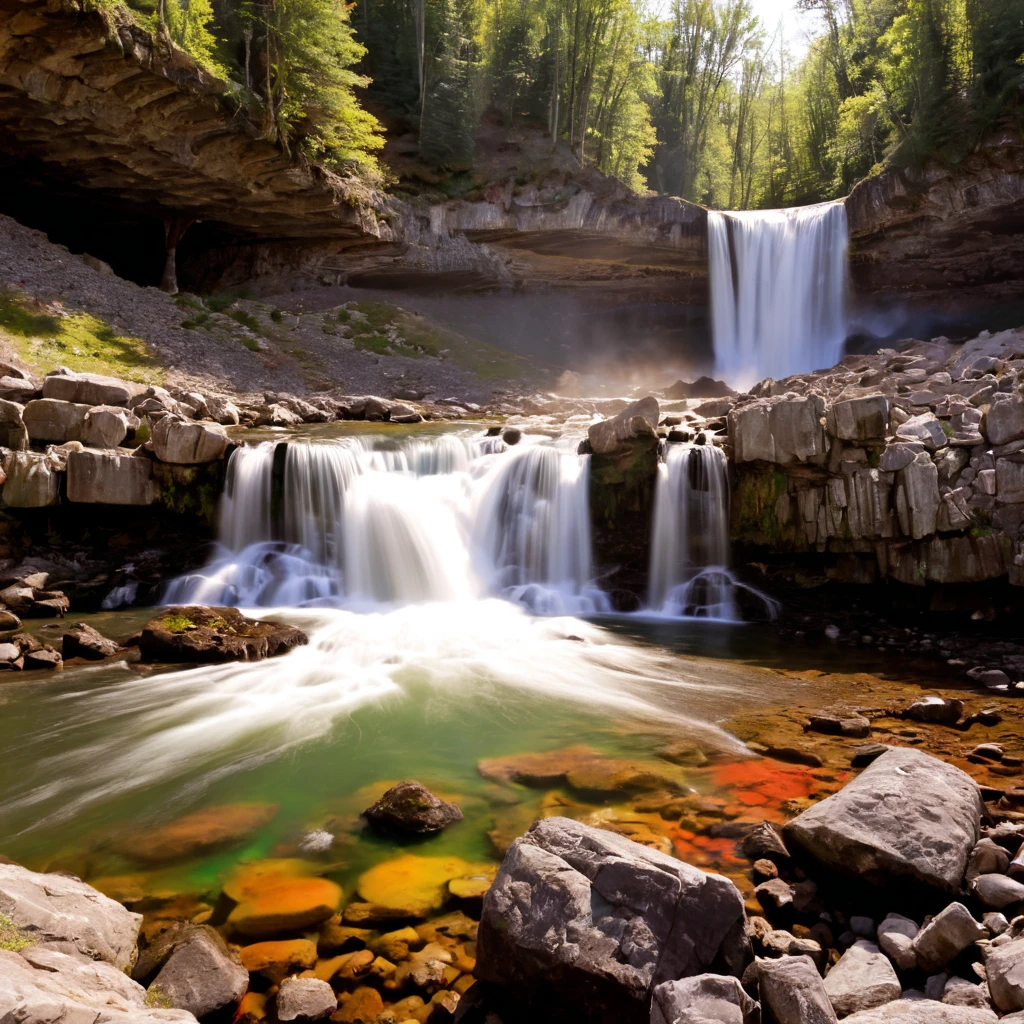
689	573
447	519
778	290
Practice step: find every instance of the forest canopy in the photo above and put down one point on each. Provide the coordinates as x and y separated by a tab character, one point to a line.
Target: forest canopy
699	99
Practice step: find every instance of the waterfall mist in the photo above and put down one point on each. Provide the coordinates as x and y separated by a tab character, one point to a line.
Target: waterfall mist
778	290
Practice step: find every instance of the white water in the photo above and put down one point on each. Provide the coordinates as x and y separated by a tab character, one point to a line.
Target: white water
689	574
778	290
443	520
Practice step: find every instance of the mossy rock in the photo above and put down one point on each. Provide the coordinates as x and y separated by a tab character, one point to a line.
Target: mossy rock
196	633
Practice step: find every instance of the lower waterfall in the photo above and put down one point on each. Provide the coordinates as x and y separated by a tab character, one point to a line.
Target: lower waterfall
689	574
447	519
778	290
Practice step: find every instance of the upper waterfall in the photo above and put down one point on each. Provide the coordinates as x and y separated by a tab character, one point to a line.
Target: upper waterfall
778	290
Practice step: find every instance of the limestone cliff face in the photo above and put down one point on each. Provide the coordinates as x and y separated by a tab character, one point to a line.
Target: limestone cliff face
92	105
942	227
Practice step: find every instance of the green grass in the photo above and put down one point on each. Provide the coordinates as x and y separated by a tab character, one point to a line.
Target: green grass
219	303
276	315
193	323
251	344
186	301
13	937
373	343
344	316
79	341
245	319
157	1000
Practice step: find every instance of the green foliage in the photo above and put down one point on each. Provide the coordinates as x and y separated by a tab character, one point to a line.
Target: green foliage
240	316
276	315
193	323
188	24
219	303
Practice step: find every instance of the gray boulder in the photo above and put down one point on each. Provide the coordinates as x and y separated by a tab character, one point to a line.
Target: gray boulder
917	497
305	999
859	419
784	429
705	999
48	419
792	992
961	992
32	481
44	986
65	914
106	426
925	429
861	980
13	432
1004	421
18	389
997	891
922	1011
582	922
86	388
189	444
896	936
201	975
82	641
946	935
222	410
907	815
110	478
1004	968
636	420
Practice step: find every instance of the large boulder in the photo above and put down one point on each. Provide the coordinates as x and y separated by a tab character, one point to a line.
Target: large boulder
32	481
222	410
110	478
44	986
82	641
917	497
195	633
86	388
63	913
106	426
1004	421
203	974
189	444
784	429
705	999
18	389
859	419
13	432
412	809
305	999
584	923
635	421
907	816
48	419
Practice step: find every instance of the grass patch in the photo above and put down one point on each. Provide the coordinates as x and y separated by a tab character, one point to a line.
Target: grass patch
79	341
157	1000
186	301
277	315
193	323
377	314
250	343
373	343
344	316
178	623
245	319
13	937
219	303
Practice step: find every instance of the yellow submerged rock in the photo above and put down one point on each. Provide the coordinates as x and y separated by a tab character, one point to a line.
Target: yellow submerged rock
275	896
415	886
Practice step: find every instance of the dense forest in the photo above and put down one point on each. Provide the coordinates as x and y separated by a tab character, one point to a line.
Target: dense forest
700	100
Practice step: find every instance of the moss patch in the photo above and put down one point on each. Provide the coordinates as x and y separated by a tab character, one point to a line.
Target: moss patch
46	339
13	937
178	623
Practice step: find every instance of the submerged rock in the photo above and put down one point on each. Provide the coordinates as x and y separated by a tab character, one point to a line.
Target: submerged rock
195	633
584	924
908	815
411	808
82	641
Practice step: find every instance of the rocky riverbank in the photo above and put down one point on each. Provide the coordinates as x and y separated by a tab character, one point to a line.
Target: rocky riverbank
844	874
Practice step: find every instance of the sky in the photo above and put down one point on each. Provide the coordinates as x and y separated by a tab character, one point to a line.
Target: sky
798	27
